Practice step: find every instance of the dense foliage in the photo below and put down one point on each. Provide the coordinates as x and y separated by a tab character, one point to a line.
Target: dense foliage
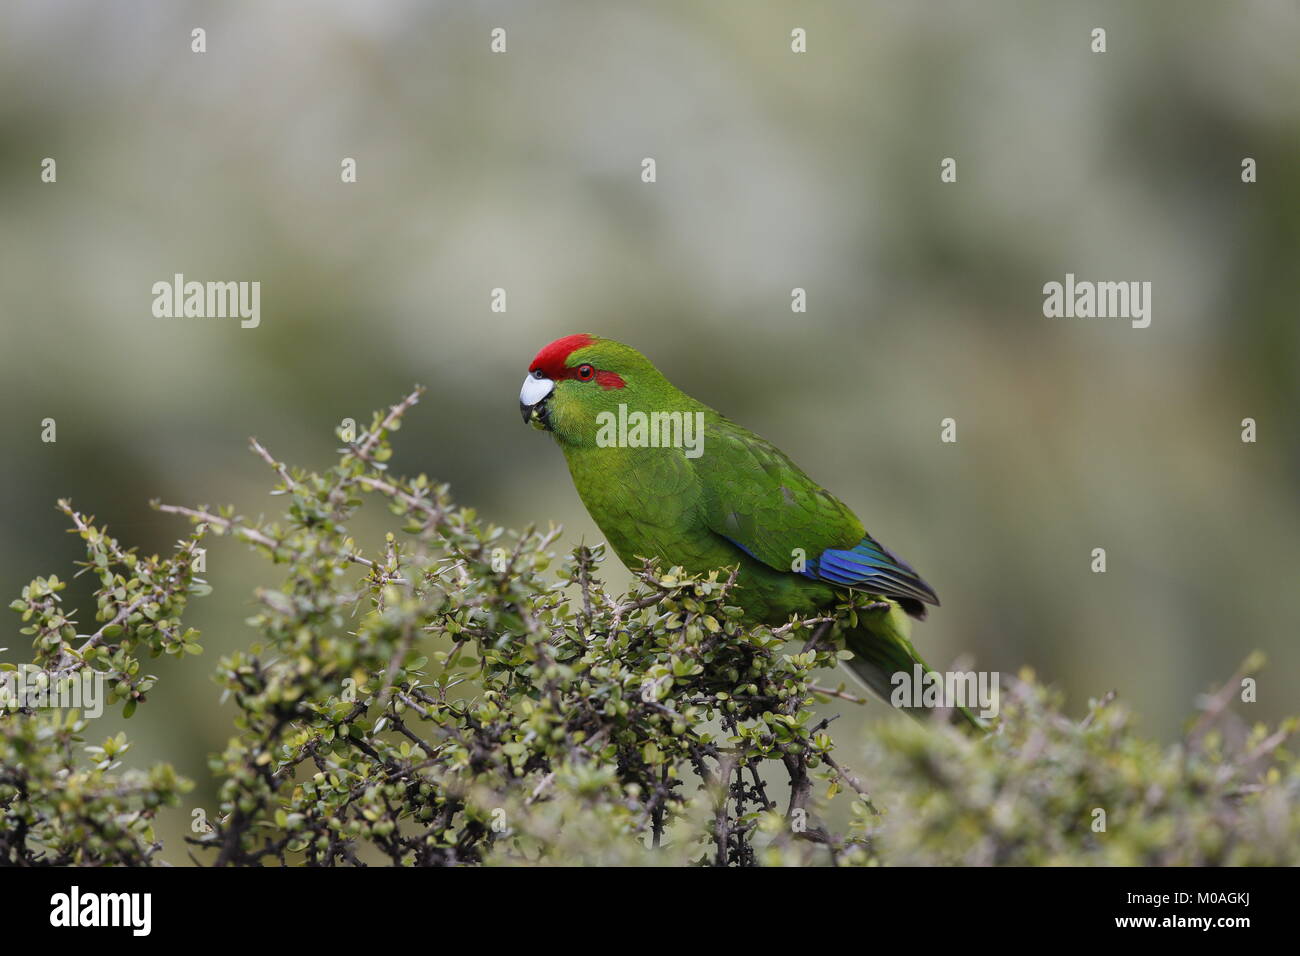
460	694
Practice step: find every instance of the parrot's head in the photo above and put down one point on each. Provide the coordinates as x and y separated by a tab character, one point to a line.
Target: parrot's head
576	378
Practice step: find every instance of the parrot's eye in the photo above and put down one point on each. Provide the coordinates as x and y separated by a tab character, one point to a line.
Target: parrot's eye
537	373
586	373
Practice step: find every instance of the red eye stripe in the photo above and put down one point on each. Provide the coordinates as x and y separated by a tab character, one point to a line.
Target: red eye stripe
606	380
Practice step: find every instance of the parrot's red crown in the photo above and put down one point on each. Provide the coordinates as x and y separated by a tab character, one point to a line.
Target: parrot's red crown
550	360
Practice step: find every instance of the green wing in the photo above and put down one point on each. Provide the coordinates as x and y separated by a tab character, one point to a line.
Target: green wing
757	498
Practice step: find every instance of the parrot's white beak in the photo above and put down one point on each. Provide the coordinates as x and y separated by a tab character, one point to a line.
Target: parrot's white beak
537	388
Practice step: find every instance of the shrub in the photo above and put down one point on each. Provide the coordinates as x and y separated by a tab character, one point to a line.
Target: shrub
461	695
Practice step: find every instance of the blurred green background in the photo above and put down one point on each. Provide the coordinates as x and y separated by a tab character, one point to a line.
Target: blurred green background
775	170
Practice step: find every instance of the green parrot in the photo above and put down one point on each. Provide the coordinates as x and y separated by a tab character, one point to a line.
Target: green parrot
667	477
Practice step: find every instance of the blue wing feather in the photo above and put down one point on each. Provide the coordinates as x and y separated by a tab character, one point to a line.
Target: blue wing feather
870	567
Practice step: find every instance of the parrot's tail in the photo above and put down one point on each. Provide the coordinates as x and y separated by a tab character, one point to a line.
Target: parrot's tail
881	649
